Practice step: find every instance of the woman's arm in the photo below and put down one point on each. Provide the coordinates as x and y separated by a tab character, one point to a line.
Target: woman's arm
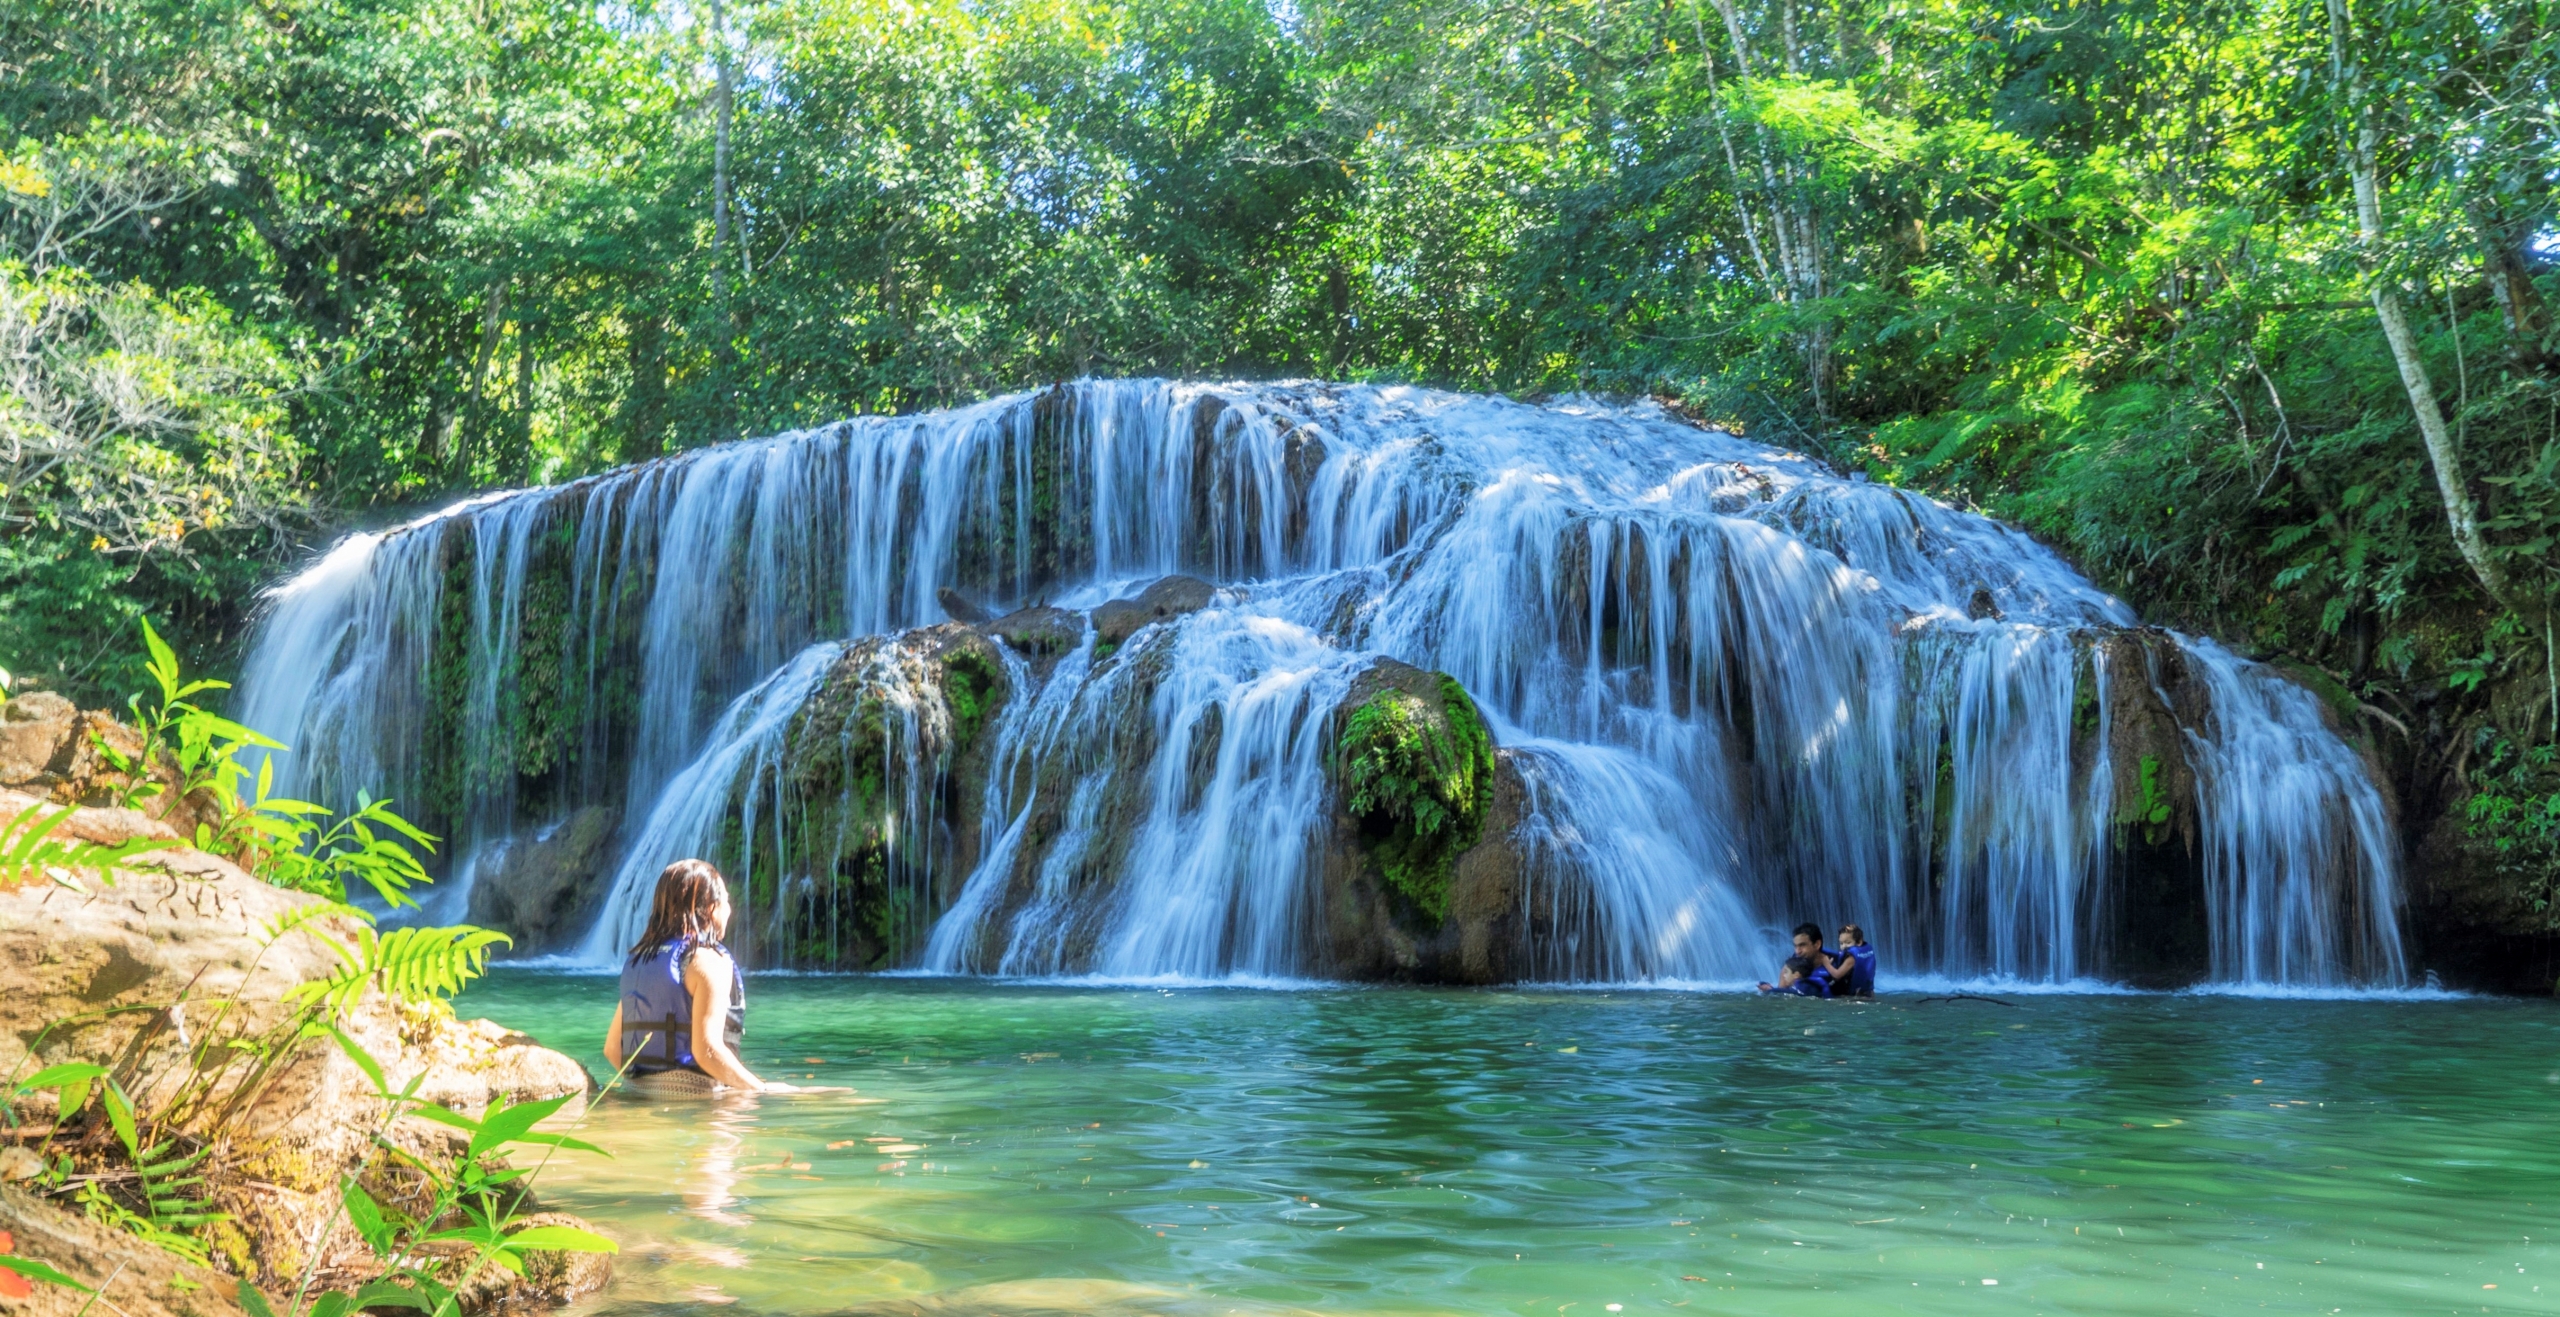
706	976
613	1039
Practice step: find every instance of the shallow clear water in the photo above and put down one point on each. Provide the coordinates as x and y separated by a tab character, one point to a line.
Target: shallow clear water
1024	1149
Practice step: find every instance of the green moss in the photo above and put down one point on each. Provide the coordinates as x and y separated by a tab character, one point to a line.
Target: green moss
970	689
2332	692
1419	782
2152	808
2084	698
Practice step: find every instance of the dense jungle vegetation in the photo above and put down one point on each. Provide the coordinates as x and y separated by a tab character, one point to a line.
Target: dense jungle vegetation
2243	303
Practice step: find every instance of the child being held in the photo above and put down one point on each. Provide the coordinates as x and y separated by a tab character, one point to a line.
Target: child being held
1803	976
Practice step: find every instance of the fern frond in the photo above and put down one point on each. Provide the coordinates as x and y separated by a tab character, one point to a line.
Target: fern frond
408	963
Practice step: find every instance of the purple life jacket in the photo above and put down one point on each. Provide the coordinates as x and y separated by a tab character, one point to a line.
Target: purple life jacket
657	1009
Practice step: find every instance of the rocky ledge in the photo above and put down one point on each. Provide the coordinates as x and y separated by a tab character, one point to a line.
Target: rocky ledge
891	787
178	955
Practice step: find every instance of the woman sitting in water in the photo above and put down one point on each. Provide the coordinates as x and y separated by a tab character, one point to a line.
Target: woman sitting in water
684	1007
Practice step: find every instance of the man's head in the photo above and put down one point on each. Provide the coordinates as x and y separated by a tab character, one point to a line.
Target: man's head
1852	936
1808	939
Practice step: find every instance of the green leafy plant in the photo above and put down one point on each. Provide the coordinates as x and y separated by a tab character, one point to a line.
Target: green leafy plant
199	748
430	964
146	1171
2513	818
471	1220
293	844
304	848
169	1184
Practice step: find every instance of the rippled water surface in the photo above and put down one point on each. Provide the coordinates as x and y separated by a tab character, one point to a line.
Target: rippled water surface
1025	1149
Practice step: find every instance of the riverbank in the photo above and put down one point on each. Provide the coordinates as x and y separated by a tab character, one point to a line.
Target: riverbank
177	1000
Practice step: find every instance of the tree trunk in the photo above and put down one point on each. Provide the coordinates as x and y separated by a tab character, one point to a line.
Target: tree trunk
2442	453
643	408
2510	275
723	350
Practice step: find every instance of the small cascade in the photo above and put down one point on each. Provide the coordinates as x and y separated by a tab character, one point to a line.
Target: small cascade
2298	852
1732	690
737	776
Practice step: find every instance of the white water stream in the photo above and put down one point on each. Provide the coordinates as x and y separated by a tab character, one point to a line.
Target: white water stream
1740	690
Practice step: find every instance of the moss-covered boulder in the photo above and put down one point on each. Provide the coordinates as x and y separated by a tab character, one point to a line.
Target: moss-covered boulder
876	818
1416	773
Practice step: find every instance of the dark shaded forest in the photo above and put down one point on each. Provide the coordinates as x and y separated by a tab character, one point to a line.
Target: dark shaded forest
2243	304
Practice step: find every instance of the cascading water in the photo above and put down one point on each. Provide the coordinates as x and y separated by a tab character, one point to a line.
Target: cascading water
1734	689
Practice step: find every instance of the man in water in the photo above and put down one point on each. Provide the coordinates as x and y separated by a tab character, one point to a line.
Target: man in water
1853	971
1807	973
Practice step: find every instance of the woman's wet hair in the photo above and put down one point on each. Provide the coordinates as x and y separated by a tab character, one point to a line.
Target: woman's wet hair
687	892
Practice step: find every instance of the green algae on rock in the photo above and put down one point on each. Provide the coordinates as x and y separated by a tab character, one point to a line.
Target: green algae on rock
1417	776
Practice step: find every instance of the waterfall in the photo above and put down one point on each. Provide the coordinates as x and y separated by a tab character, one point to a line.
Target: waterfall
1735	690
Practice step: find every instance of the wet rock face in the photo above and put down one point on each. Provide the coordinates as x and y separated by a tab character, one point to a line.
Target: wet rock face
543	890
1415	767
879	820
1040	633
2159	934
1173	596
1421	873
961	608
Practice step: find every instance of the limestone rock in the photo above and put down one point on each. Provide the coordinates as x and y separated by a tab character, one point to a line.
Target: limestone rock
2159	935
51	749
1173	596
1039	632
35	736
550	1276
543	889
1373	930
137	1279
960	608
185	948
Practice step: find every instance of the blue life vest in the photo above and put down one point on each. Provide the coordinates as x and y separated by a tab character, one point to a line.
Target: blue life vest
657	1009
1861	975
1816	984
